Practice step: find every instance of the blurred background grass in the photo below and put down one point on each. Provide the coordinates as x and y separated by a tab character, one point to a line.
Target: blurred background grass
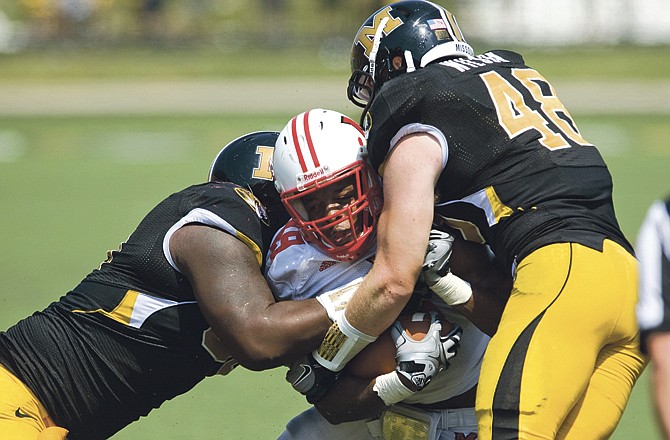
74	185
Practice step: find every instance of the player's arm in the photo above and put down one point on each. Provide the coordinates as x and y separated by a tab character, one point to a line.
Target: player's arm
658	345
490	283
467	278
409	177
418	360
350	399
474	263
236	301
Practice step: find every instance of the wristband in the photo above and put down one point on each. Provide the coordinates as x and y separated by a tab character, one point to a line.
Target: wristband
390	388
336	300
341	343
452	289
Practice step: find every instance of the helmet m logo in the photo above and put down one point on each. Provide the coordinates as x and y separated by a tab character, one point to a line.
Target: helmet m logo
366	35
264	170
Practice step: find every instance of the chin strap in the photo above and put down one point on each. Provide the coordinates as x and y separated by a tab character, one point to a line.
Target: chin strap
409	61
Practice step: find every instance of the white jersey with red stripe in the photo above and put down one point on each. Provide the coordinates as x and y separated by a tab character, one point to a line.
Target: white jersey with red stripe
298	270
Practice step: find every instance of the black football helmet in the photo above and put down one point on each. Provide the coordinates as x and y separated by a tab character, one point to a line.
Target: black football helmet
399	38
246	161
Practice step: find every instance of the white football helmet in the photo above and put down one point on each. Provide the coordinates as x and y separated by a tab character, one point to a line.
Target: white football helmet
326	184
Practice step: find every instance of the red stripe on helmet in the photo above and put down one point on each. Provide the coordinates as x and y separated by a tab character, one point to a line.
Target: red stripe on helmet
296	143
310	144
346	120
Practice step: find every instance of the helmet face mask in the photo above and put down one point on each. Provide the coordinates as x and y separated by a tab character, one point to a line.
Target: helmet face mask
335	214
325	183
399	38
360	87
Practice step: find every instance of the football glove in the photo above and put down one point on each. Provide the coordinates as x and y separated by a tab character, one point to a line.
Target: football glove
435	270
420	361
438	253
310	378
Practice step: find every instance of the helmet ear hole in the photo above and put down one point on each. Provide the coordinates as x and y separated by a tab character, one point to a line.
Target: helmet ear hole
397	63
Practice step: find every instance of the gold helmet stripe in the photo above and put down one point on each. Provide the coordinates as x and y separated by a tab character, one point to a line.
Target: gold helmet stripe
454	30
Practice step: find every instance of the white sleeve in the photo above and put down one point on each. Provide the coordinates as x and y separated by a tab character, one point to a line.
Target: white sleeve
206	217
422	128
287	273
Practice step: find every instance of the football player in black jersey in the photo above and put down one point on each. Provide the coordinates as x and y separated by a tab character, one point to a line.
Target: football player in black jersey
182	299
482	145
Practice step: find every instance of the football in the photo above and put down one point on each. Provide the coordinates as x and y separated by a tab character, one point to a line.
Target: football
379	357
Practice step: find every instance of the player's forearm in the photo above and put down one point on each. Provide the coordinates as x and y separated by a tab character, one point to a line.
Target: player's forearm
475	264
349	400
401	246
661	381
659	351
284	332
483	309
378	301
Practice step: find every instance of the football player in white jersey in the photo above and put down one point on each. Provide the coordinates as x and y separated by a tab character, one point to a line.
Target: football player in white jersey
334	198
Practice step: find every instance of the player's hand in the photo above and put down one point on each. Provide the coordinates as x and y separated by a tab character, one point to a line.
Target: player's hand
438	253
310	378
435	270
419	361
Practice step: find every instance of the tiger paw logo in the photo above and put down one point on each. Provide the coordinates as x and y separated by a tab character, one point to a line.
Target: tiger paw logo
367	123
255	204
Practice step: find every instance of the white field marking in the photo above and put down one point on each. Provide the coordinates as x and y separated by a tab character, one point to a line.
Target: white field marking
12	146
145	147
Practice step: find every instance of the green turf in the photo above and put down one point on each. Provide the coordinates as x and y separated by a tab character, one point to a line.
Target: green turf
325	59
72	188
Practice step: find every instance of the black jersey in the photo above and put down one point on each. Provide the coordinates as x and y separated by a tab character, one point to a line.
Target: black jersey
518	174
130	336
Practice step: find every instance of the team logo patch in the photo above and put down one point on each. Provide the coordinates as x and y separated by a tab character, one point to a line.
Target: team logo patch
367	124
384	19
442	34
20	414
255	204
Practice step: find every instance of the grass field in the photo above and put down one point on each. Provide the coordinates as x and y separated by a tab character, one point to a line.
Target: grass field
67	64
73	187
76	187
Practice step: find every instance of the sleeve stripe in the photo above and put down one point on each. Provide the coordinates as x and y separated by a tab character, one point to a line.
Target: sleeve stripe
199	215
